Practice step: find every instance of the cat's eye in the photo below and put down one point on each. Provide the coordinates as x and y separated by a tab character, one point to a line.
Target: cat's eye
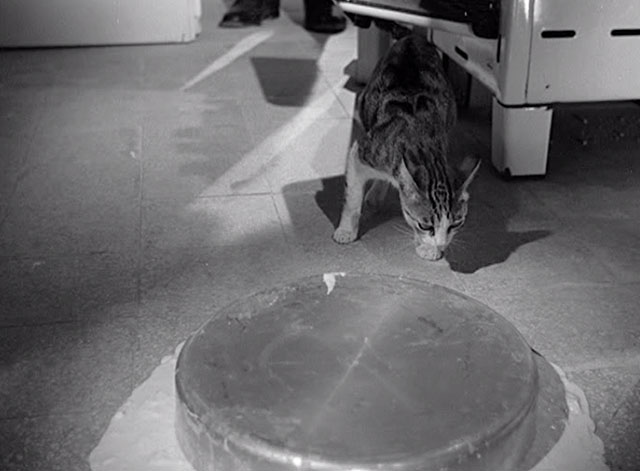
456	224
426	228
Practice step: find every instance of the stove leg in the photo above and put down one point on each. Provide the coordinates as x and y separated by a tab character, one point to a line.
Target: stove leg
520	139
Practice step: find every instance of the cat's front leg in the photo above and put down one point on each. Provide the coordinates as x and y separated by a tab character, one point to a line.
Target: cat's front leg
377	195
347	230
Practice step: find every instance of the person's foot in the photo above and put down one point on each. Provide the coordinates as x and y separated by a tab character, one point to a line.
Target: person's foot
250	13
319	17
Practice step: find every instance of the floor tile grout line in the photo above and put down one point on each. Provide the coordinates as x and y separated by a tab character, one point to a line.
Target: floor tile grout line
283	229
627	362
29	325
233	195
597	254
585	246
59	256
140	228
24	158
79	413
335	87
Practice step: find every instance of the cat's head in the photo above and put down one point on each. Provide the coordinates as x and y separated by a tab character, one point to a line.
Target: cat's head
434	203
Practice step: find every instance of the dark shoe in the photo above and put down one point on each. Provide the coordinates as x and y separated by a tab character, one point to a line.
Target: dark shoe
250	13
319	17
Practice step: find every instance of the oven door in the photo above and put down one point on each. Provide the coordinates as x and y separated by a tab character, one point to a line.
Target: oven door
469	17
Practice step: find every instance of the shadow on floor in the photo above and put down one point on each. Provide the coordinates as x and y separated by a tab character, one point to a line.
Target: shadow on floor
489	248
473	248
486	238
329	199
286	81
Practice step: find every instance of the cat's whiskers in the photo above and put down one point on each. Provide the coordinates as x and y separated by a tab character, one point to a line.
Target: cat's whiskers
402	228
458	243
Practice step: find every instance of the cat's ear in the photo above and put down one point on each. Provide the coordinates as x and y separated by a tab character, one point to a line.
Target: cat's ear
407	181
466	172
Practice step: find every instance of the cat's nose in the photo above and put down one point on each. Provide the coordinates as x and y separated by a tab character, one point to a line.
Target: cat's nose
440	251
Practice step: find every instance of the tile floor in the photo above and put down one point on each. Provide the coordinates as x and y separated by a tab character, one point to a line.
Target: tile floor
131	210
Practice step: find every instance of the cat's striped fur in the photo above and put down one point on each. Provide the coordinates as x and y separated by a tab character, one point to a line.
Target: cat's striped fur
406	112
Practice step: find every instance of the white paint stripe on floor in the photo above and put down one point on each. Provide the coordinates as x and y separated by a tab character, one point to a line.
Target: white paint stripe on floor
244	46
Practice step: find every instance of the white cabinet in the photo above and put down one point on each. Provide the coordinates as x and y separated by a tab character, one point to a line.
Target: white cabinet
46	23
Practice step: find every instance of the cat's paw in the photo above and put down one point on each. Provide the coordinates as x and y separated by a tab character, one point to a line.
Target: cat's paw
344	236
429	252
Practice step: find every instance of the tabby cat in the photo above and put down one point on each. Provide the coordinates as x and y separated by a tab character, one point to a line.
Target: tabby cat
406	112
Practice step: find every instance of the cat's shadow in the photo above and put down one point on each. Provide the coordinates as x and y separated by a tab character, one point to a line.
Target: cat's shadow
331	197
474	250
484	241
